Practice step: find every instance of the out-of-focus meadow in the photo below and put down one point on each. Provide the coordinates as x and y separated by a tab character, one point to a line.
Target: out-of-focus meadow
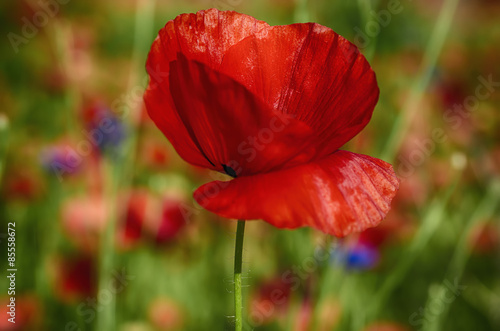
107	235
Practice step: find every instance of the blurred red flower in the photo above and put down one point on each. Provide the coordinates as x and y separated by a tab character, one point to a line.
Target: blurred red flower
166	314
28	313
22	185
154	155
148	217
269	302
170	224
75	277
270	105
484	238
130	229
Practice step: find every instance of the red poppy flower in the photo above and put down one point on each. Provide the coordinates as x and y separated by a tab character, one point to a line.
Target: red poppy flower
130	231
147	217
27	311
270	105
172	221
75	277
270	302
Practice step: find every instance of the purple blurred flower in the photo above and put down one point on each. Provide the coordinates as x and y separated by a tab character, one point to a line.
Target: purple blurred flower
55	158
103	128
112	137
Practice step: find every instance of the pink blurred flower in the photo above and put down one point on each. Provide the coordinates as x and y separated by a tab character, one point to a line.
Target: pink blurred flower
84	219
166	314
303	320
329	314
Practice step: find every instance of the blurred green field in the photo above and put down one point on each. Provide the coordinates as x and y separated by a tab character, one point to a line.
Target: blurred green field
110	238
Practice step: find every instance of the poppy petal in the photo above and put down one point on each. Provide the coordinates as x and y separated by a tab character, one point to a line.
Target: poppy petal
312	72
162	111
340	194
204	36
229	125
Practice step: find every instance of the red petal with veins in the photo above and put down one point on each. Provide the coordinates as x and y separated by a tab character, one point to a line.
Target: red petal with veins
309	71
205	37
230	126
340	194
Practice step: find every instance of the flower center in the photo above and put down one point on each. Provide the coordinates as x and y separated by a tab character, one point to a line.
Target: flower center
230	171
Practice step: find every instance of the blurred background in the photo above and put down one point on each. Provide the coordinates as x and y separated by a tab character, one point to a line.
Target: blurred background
108	237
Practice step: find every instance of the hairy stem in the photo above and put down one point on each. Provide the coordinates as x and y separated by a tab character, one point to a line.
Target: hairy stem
238	253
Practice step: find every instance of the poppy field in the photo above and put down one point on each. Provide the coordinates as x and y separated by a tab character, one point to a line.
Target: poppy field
231	165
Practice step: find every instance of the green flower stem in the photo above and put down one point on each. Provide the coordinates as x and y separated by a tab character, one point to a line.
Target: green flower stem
432	51
144	29
238	254
486	209
365	8
321	282
4	139
119	173
106	317
430	222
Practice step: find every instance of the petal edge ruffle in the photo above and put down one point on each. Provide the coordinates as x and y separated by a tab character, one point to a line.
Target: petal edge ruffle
340	194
